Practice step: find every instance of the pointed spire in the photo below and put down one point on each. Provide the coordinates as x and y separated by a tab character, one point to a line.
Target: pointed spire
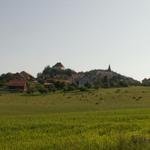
109	68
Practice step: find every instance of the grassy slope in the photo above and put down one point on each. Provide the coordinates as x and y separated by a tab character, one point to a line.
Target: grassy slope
107	119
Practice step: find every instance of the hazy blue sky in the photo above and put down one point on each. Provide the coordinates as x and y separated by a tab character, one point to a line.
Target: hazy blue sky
83	34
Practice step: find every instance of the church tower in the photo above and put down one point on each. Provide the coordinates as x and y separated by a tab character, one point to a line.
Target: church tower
109	68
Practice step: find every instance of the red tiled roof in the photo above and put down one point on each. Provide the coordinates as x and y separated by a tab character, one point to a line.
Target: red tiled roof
19	83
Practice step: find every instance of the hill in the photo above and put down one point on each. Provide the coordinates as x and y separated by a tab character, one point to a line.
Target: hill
58	77
94	78
104	78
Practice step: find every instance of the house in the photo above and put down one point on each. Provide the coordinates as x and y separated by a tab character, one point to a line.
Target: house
26	76
17	85
59	66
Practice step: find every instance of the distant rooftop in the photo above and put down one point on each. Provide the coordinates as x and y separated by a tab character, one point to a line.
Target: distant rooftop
59	65
16	82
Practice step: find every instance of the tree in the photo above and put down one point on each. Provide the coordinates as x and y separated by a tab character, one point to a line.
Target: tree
31	88
146	82
41	89
88	85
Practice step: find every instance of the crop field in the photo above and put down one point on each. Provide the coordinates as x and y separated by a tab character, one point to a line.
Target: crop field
103	119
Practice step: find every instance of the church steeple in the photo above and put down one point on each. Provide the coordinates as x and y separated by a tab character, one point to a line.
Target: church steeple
109	68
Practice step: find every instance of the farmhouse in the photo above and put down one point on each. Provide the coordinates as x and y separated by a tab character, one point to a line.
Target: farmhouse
17	85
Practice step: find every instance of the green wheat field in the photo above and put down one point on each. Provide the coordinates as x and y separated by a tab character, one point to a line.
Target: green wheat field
103	119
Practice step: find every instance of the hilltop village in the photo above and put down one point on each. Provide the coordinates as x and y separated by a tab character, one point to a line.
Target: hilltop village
58	77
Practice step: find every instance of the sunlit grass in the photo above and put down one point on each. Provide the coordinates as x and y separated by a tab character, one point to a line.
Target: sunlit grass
104	119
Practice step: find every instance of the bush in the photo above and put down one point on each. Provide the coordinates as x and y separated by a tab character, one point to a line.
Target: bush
52	88
31	88
88	85
59	85
146	82
96	87
36	87
71	87
123	83
41	89
83	89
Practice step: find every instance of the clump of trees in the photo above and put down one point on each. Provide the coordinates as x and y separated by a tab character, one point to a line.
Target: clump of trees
58	79
70	87
4	78
106	82
83	89
105	79
51	73
36	87
52	79
146	82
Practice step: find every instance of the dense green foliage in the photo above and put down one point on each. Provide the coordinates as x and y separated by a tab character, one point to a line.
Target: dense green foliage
104	119
58	78
106	79
93	78
51	73
36	87
146	82
4	78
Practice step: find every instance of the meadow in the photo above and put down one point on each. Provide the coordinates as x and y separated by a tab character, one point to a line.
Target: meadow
103	119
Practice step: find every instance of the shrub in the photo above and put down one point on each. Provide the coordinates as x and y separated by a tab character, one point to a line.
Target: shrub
69	88
88	85
36	87
83	89
41	89
52	88
31	88
59	85
146	82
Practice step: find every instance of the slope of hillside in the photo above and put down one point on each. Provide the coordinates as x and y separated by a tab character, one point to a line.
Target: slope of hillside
61	77
94	78
104	78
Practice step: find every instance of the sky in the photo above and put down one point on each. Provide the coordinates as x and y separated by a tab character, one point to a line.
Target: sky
82	34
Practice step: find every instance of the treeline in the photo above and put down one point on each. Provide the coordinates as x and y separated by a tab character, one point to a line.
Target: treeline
58	78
